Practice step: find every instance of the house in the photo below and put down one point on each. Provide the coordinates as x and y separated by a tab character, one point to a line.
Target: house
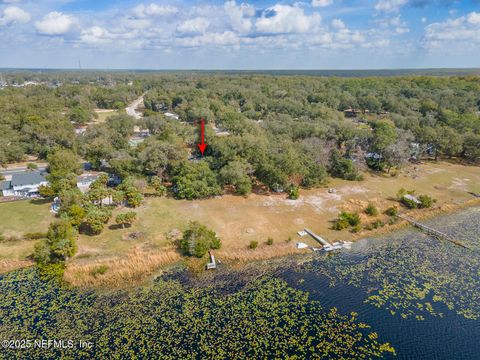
172	115
140	133
351	112
81	129
24	185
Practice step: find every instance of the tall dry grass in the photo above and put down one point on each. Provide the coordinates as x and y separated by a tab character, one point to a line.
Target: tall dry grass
9	265
131	269
263	252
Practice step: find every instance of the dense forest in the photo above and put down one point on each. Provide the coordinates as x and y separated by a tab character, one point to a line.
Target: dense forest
281	132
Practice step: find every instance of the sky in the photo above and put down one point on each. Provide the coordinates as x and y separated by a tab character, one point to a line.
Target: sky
212	34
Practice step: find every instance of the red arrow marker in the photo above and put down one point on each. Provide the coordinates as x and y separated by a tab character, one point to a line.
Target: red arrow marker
202	146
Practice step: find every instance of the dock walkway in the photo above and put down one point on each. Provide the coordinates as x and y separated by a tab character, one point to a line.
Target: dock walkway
436	233
318	238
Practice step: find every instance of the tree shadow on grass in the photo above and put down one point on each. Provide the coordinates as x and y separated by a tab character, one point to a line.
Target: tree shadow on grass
40	201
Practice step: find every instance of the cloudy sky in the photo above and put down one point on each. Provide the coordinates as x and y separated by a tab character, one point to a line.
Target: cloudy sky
210	34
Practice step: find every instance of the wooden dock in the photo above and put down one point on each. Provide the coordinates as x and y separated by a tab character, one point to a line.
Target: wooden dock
433	232
318	238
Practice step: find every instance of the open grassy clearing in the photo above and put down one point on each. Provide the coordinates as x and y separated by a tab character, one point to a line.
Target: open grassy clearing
103	114
239	220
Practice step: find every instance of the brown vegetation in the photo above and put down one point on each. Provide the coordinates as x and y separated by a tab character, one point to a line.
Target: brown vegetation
131	269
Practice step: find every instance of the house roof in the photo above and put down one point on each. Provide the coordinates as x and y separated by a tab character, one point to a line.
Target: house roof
5	185
33	178
87	178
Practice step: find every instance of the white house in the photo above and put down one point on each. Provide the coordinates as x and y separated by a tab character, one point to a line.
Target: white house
23	185
172	115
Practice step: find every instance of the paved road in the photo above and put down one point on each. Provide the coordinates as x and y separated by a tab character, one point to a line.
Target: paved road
132	109
19	170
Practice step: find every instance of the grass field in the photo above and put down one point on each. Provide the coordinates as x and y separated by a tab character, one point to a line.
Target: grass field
103	115
239	220
18	218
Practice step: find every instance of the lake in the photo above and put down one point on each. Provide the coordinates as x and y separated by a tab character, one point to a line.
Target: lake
406	290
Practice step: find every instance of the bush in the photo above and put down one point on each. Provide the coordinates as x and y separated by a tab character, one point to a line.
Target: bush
99	270
352	218
270	241
346	219
426	201
198	239
340	224
253	244
371	210
357	228
375	225
392	211
409	203
294	193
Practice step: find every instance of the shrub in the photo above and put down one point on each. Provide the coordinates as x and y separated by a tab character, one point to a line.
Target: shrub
392	211
371	210
294	193
375	225
253	244
51	271
99	270
340	224
289	239
352	218
198	239
409	203
357	228
270	241
426	201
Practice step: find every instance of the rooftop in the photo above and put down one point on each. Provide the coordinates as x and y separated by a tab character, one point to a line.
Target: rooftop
27	179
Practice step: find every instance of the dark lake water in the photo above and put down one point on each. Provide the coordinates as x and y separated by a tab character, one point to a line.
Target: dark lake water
418	293
408	259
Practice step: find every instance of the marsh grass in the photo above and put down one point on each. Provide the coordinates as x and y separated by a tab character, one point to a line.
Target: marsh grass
133	268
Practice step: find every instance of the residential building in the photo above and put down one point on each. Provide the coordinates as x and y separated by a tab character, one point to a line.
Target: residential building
24	185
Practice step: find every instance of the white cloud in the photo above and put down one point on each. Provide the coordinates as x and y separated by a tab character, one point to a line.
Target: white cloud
390	5
338	24
96	36
226	38
321	3
287	19
55	23
153	10
239	16
12	15
460	33
194	26
474	18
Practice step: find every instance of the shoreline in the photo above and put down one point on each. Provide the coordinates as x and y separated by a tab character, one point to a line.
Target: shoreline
239	258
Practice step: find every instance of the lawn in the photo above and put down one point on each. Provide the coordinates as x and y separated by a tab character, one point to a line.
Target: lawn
239	220
18	218
103	115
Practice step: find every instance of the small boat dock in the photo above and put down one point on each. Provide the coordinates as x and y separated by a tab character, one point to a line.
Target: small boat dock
326	245
433	232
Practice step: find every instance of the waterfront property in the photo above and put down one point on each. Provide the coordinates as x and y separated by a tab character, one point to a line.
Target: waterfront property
24	185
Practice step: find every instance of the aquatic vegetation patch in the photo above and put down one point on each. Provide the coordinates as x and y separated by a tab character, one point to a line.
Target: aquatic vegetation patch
413	275
265	319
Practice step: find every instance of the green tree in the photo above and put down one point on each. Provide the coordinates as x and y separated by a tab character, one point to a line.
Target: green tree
59	245
237	173
195	181
198	239
127	218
